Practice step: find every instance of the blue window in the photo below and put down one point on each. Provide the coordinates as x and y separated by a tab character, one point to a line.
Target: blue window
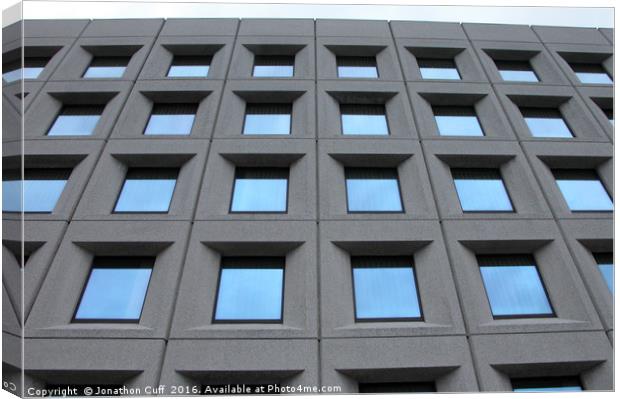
364	119
267	119
547	384
171	119
591	73
41	190
457	121
516	71
357	67
33	66
189	66
76	120
385	288
514	287
605	263
481	190
115	290
260	190
373	190
546	122
250	290
273	66
147	190
434	68
582	190
107	67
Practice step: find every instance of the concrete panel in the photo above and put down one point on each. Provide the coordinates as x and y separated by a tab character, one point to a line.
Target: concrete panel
54	28
354	28
427	30
123	27
557	34
199	27
500	32
276	27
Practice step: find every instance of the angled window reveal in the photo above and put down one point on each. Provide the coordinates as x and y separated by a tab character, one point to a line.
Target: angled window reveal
147	190
250	289
39	191
385	288
457	121
514	287
582	190
262	119
260	190
438	68
76	120
176	119
273	66
516	71
591	73
481	190
373	190
547	384
190	66
364	119
605	262
107	67
357	67
33	66
115	290
546	122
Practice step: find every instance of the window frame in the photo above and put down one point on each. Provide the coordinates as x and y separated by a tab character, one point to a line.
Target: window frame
384	114
245	115
526	112
553	313
410	263
155	105
115	262
106	58
234	185
281	56
582	170
59	173
426	60
61	112
501	178
400	192
445	109
252	264
147	171
350	58
172	64
498	62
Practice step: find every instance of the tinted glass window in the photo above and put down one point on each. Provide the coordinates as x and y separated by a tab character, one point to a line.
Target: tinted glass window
438	69
115	289
41	190
583	190
373	190
457	121
385	288
171	119
357	67
605	263
547	384
76	120
267	119
513	286
591	73
609	113
481	190
358	119
387	387
260	190
147	190
516	71
189	66
33	66
273	66
250	289
546	122
107	67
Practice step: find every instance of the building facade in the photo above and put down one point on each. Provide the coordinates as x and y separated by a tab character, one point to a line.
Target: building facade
336	205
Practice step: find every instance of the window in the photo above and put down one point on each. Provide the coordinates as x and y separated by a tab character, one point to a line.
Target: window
591	73
171	119
481	190
267	119
76	120
516	71
273	66
107	67
33	66
457	121
546	384
609	113
582	190
260	190
605	263
250	290
41	190
364	119
115	290
385	288
147	190
546	122
387	387
444	69
514	287
189	66
373	190
357	67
